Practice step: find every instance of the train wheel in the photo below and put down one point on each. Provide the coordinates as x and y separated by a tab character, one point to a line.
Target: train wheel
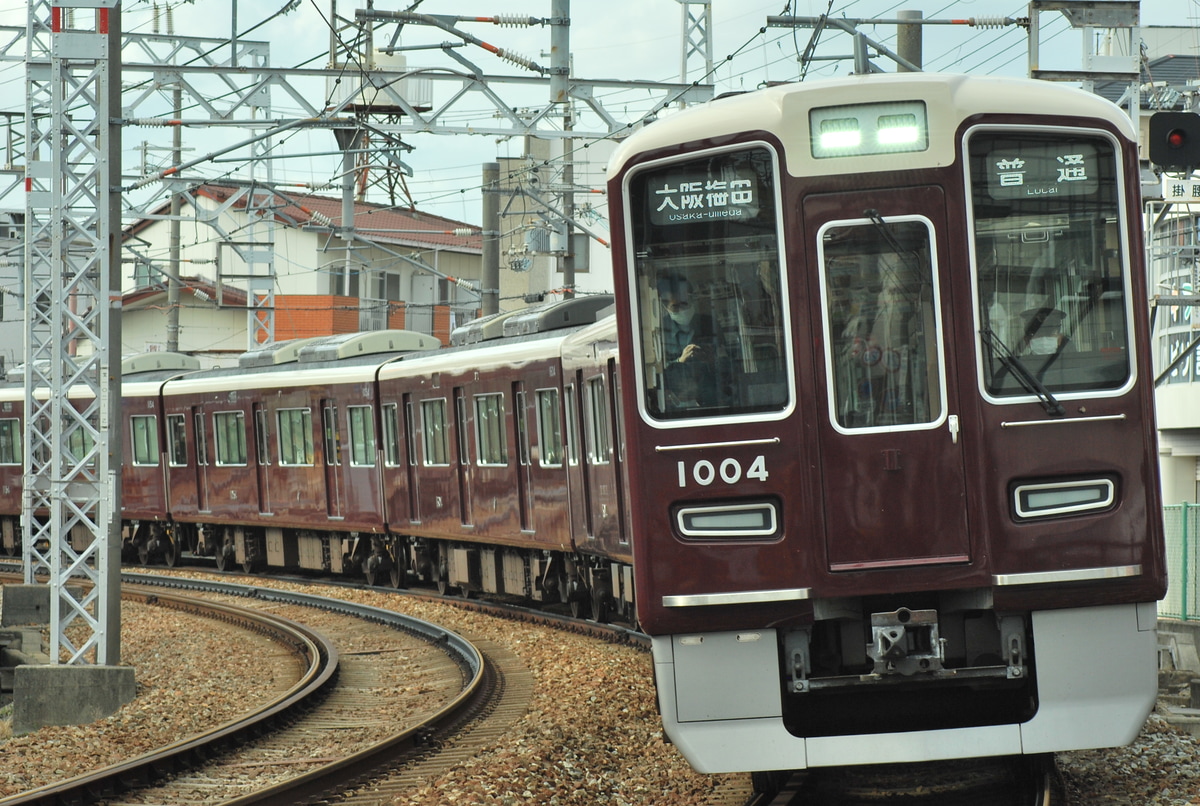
599	605
174	551
222	563
769	782
442	585
398	576
580	608
143	552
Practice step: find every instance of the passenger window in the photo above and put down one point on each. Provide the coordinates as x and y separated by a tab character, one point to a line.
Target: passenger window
1050	266
333	436
143	433
489	429
599	441
709	290
549	421
391	435
362	436
295	437
230	428
881	323
177	440
10	442
437	440
262	436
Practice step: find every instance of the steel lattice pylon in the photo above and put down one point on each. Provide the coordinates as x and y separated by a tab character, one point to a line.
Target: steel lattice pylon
72	469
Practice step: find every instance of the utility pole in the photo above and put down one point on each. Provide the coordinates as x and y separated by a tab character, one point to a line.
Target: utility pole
71	504
490	250
560	70
908	40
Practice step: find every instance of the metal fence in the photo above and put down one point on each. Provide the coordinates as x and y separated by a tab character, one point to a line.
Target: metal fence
1182	522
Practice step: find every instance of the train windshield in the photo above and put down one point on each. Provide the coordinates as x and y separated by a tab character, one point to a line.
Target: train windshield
1049	264
708	287
881	311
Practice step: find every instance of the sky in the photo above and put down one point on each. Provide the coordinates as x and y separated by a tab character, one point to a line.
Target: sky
609	39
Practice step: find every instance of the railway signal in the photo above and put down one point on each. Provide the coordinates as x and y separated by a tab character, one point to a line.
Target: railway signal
1175	139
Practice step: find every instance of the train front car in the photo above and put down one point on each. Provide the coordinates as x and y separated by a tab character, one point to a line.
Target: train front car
890	430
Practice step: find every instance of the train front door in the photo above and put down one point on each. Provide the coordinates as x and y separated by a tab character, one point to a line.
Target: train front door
890	440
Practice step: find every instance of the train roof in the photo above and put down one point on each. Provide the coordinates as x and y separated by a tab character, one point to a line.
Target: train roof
950	98
524	321
511	351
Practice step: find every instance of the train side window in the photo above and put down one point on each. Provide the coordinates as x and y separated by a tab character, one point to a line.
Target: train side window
549	423
436	438
201	438
333	437
521	416
81	444
143	438
572	408
10	441
229	428
1050	266
391	434
362	436
882	323
295	437
410	431
262	436
489	429
599	442
177	440
460	409
712	332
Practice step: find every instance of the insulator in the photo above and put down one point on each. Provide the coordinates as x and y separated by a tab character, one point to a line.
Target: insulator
990	22
317	217
463	232
516	58
513	20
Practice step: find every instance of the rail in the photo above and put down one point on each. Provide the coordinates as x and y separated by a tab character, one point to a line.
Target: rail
322	660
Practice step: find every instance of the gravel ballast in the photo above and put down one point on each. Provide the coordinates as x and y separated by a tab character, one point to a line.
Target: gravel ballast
591	735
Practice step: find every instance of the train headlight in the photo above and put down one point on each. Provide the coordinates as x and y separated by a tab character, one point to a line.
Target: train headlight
1063	498
883	128
840	134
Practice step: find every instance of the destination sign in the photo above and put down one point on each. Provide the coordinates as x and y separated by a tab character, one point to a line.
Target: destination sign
1032	170
691	198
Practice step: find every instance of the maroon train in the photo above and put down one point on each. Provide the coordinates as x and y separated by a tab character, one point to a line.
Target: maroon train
888	409
878	456
489	467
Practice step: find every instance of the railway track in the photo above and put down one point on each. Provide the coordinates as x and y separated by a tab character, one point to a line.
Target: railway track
1006	781
353	706
418	757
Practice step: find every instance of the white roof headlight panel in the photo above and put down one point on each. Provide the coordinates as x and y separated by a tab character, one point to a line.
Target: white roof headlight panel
881	128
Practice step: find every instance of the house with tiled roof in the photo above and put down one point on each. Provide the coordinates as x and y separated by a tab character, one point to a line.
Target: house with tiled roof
256	264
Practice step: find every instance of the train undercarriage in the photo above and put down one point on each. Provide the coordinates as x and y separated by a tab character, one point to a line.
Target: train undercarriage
590	586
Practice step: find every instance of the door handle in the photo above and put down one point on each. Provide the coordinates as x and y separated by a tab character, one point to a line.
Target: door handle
952	422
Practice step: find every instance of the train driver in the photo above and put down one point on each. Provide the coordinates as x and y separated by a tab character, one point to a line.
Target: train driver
690	343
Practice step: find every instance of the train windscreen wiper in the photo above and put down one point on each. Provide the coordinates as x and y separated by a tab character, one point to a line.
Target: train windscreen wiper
1021	372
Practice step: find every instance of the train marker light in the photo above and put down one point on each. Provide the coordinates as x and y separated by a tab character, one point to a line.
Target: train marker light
866	129
1175	139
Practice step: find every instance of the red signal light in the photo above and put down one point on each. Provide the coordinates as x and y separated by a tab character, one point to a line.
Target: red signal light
1174	140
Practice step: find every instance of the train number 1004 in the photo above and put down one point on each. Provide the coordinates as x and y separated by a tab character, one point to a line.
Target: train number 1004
729	471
